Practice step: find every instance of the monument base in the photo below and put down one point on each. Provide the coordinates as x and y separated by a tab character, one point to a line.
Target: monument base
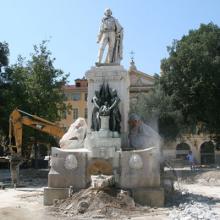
136	170
51	194
140	168
103	146
68	168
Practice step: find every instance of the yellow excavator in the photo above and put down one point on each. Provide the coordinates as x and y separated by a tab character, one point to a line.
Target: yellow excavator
17	119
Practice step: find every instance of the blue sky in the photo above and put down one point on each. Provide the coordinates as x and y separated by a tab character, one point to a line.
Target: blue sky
72	26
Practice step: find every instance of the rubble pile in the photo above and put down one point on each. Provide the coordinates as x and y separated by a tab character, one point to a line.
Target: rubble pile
202	177
108	202
208	178
193	210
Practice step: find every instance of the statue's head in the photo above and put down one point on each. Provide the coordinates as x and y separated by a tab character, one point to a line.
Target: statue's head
108	12
134	120
114	92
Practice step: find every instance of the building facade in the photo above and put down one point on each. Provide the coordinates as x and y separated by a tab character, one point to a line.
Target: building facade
205	149
76	97
140	83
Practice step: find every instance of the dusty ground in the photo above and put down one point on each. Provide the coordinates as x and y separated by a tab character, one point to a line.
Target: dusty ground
197	197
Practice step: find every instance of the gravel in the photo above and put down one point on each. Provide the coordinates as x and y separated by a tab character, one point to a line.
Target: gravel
193	211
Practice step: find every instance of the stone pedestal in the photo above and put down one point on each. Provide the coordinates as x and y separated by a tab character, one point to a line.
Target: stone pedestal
104	130
140	168
117	78
68	168
140	173
50	194
104	123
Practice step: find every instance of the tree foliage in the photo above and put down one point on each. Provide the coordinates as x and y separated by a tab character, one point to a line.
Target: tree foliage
34	86
157	110
192	76
4	53
4	87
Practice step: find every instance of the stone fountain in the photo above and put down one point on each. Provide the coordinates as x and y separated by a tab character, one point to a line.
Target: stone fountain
106	148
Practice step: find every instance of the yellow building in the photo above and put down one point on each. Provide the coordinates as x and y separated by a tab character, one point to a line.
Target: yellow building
76	97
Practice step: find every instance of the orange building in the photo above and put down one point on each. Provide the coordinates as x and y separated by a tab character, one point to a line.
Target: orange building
76	97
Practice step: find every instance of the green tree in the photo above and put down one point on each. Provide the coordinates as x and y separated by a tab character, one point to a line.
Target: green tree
44	84
157	110
4	53
34	86
4	85
192	76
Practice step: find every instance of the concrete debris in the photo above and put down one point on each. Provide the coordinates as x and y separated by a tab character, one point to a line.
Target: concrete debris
102	181
210	178
82	207
193	211
90	202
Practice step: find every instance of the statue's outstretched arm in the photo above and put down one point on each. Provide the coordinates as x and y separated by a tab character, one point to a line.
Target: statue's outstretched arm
115	103
95	103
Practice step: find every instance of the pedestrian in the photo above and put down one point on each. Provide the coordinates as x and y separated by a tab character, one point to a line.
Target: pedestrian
191	160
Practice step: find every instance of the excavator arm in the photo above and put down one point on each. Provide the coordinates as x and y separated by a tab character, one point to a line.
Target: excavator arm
18	118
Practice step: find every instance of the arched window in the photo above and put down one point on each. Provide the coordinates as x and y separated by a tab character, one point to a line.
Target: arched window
207	153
